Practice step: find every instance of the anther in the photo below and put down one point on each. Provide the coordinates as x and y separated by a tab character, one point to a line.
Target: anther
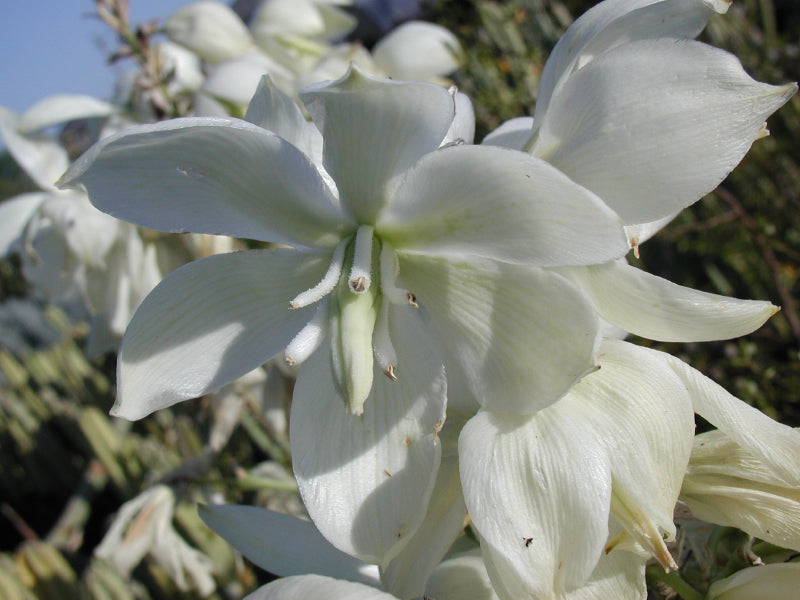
328	282
359	279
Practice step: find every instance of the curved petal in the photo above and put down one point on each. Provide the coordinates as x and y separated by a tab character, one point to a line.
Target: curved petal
274	111
308	18
417	51
500	204
303	587
366	480
88	232
232	83
374	130
641	232
42	158
652	126
771	442
60	108
548	531
654	308
512	134
462	577
643	416
627	463
284	545
515	338
212	30
15	214
615	22
618	575
725	484
407	574
210	322
462	129
778	581
210	175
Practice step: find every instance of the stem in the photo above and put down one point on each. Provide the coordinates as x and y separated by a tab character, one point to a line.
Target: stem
673	580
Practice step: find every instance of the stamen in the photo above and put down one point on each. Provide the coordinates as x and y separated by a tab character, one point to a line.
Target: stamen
359	279
382	346
328	282
393	293
308	338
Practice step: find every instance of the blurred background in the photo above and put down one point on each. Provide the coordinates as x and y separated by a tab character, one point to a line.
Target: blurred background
66	467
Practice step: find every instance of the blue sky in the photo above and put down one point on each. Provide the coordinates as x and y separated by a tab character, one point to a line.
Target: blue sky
57	46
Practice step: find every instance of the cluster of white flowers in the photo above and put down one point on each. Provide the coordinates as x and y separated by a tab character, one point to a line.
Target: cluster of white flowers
454	311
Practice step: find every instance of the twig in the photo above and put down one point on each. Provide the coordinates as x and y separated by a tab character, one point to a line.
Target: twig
787	303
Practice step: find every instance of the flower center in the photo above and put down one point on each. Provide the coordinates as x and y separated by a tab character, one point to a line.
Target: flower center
354	299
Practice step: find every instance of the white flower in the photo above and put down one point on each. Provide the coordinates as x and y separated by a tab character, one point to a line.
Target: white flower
311	567
418	51
774	582
210	29
650	121
600	469
389	222
143	527
69	250
725	484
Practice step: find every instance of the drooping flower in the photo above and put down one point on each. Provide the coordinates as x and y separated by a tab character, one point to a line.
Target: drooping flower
601	469
725	484
410	252
632	108
69	250
778	581
143	527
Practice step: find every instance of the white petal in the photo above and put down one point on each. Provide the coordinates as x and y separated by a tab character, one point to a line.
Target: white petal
418	51
234	82
462	577
652	126
375	129
60	108
462	129
515	338
273	110
48	265
772	443
305	587
725	484
88	232
502	204
42	158
652	307
611	23
210	322
308	18
538	491
775	581
210	175
284	545
210	29
641	232
406	575
644	418
366	480
15	214
512	134
618	575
